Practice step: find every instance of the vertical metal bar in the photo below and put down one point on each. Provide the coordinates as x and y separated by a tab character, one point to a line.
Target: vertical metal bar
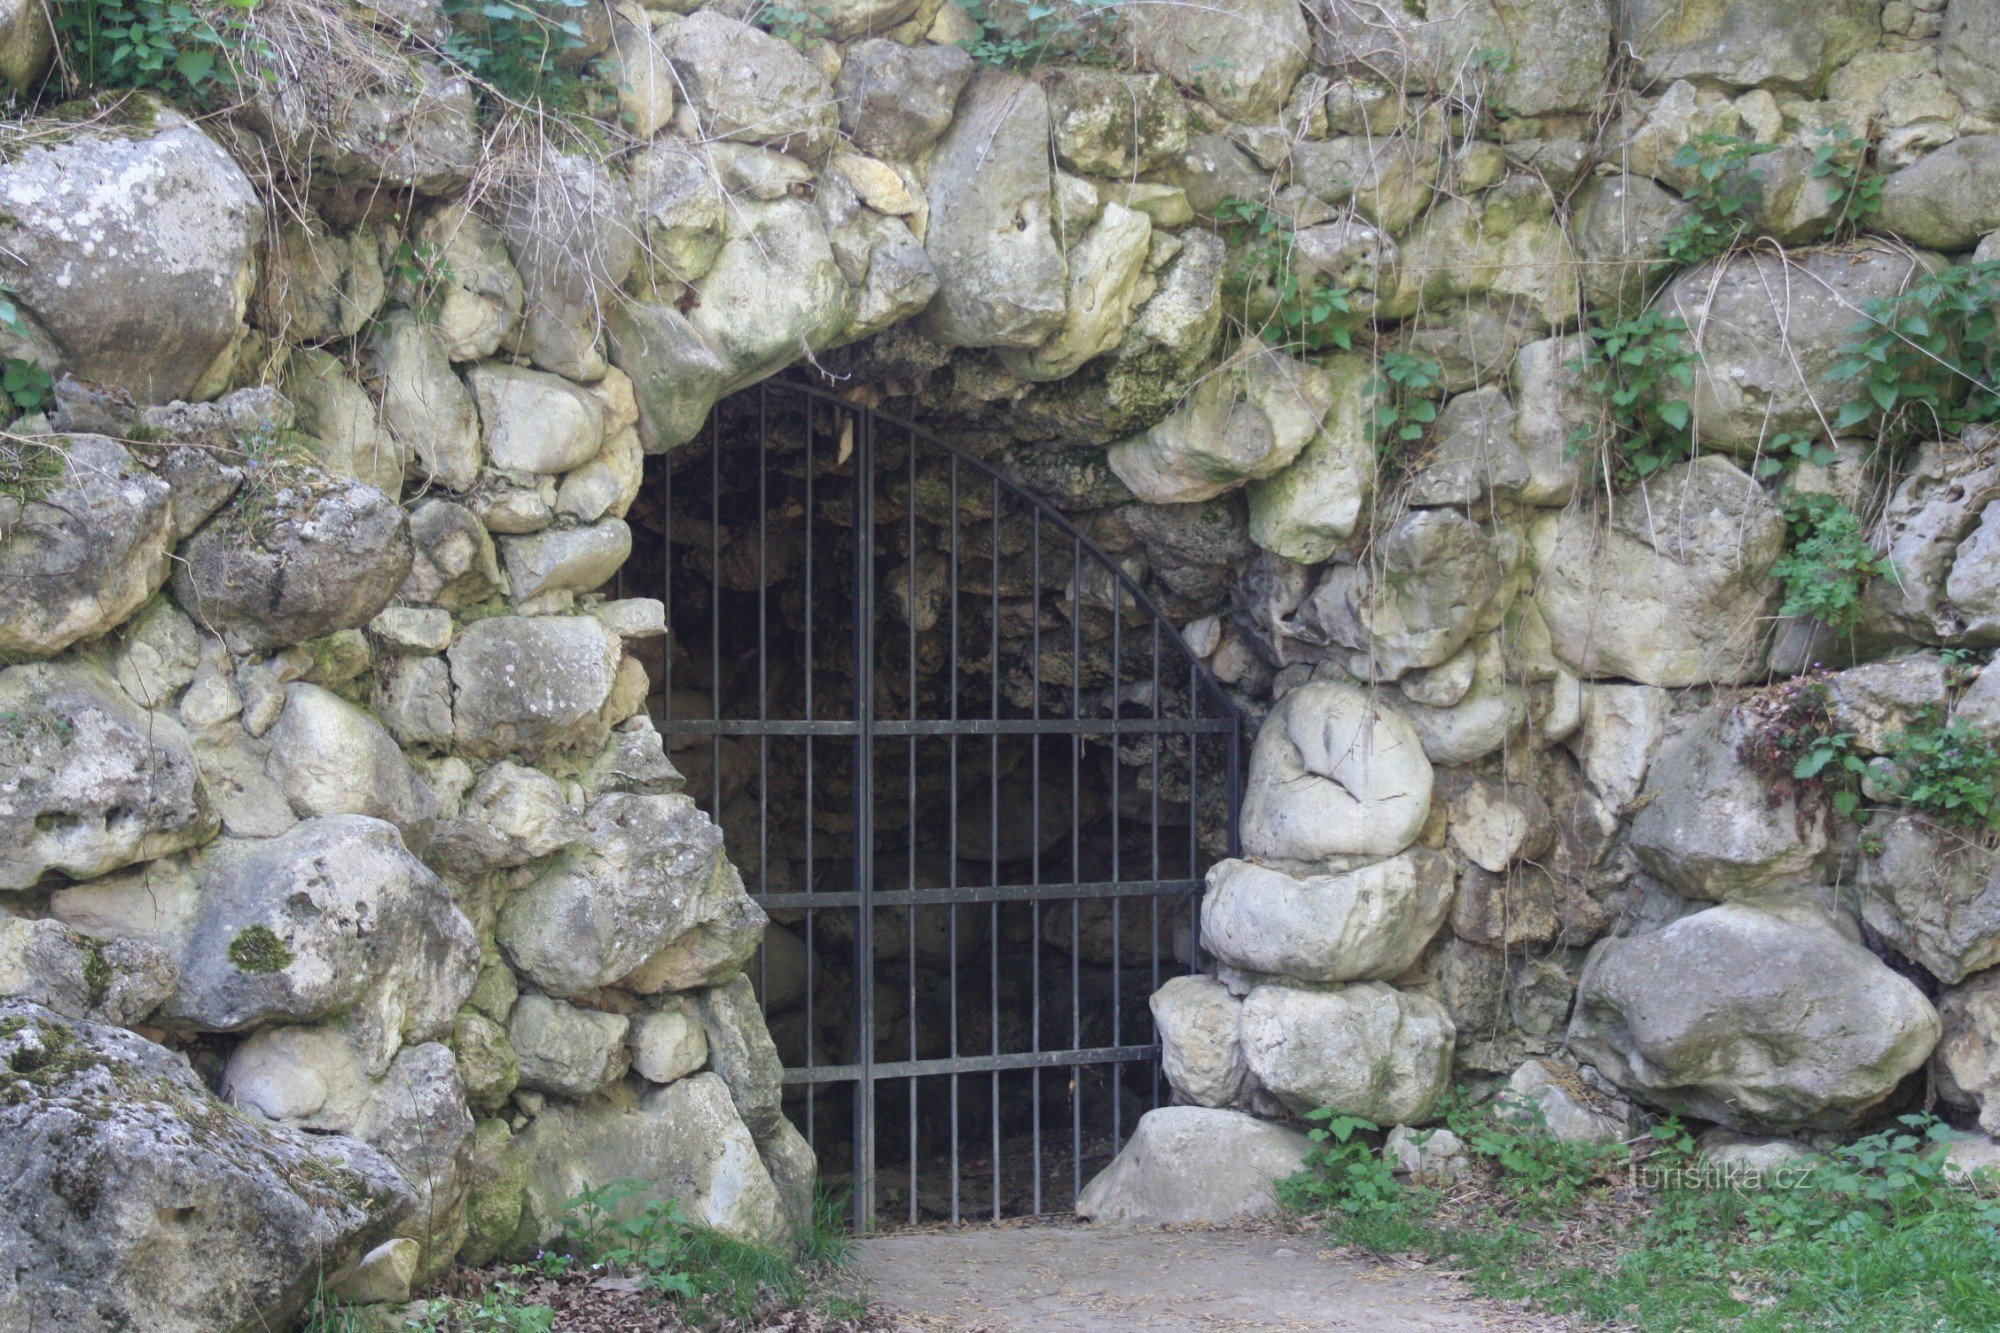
763	683
1158	739
1117	863
1194	807
951	845
1076	863
864	811
715	610
993	816
812	990
910	840
1035	877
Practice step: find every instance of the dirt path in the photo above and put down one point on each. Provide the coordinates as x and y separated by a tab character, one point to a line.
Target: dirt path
1073	1279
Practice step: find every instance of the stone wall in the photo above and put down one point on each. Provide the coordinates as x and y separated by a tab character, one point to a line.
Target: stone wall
329	765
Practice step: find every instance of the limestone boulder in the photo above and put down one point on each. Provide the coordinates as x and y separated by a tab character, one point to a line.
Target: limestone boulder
1369	923
1965	56
1944	200
132	253
452	559
332	758
676	375
348	437
775	287
563	1049
1308	511
629	886
393	123
476	289
1673	587
1200	1048
1001	275
724	927
525	684
93	782
87	539
1622	223
1768	331
1334	774
897	100
512	815
747	86
159	652
1115	125
1194	1164
533	421
305	557
133	1196
1557	50
1106	281
1387	178
425	406
684	1138
1967	1063
1760	1018
1711	826
1472	452
1556	1098
318	284
570	559
1416	603
669	1042
1504	244
1933	895
1241	56
1247	420
1934	520
333	919
1365	1050
742	1054
112	981
1745	43
570	226
1621	730
27	44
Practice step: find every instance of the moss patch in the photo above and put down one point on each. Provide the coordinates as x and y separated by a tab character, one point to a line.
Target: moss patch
96	972
256	950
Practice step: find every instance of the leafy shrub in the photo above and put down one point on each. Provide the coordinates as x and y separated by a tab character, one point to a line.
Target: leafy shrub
1947	769
1042	30
1841	160
514	48
1929	359
1791	741
1404	410
1299	319
1829	562
1344	1170
1790	449
1632	364
195	52
1724	191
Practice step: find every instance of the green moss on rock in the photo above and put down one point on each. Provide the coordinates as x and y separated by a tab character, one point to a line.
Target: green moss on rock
257	950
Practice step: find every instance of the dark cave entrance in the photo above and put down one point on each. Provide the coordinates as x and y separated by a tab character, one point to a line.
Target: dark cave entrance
970	772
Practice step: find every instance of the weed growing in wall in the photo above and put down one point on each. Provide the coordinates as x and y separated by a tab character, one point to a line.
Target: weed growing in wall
1038	31
1946	769
1829	562
1301	317
24	386
1724	190
1840	158
196	53
1632	365
1790	740
1404	409
513	47
1929	360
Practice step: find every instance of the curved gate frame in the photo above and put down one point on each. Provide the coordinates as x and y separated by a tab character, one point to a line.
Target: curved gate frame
859	427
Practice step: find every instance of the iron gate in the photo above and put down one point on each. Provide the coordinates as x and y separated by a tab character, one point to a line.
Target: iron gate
970	770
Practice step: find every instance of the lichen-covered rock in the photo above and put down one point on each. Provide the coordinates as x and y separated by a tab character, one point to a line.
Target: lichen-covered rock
348	438
1556	1098
1760	1018
1106	279
425	407
1675	589
133	1198
332	919
1745	42
1933	895
1967	1063
1388	180
1365	1050
749	87
1193	1164
93	781
1621	225
525	684
1505	243
534	421
1965	56
565	559
1200	1050
1242	56
299	557
569	224
27	43
566	1050
676	375
477	291
1620	733
773	290
107	981
1713	827
86	537
684	1138
1472	453
741	1053
1416	603
1768	330
452	560
511	816
725	927
1931	522
332	758
1115	125
133	252
318	284
669	1042
1556	51
896	100
1306	512
1333	774
1246	420
629	886
1000	273
378	120
1368	923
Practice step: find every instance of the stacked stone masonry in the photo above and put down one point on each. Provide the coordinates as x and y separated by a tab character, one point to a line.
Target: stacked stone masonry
350	906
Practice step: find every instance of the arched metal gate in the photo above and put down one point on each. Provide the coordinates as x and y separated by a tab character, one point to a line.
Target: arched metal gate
971	771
